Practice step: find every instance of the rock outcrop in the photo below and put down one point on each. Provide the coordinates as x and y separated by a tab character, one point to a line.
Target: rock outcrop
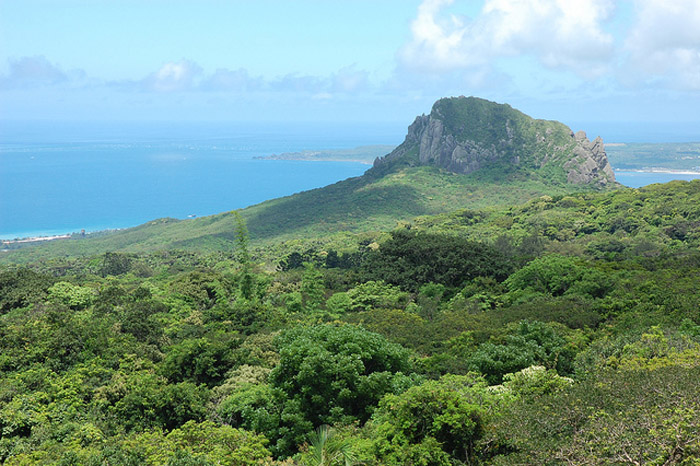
589	162
464	135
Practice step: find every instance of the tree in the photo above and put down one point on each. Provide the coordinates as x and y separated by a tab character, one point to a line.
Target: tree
242	240
21	287
435	423
327	449
337	373
558	275
647	416
411	260
114	263
527	343
312	290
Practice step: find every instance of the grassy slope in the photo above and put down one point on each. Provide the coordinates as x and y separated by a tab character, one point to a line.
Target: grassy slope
354	205
396	191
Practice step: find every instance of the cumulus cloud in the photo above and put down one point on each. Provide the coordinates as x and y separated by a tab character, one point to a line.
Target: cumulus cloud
32	72
560	33
664	42
173	76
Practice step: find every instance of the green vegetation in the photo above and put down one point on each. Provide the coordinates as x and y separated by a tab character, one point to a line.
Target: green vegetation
519	158
564	330
646	156
411	316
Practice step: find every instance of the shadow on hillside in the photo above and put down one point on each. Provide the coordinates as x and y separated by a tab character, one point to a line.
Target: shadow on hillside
338	207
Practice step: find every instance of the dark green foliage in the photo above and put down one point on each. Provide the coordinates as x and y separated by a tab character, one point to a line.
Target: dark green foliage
127	368
337	373
410	259
202	360
527	344
614	417
139	319
21	287
115	263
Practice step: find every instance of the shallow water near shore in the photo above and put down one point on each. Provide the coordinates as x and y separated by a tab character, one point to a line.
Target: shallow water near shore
634	179
58	179
52	184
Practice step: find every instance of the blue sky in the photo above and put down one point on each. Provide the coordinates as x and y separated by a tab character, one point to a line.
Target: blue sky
360	60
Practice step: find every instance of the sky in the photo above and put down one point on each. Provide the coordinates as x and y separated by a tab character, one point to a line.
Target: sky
577	61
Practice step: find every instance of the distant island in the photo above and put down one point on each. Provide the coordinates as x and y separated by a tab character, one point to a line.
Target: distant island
362	154
670	157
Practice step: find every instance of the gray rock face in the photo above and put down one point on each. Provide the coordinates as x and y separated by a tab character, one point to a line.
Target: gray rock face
584	162
589	163
440	148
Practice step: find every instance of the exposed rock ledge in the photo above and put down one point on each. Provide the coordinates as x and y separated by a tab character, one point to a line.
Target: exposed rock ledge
589	161
583	161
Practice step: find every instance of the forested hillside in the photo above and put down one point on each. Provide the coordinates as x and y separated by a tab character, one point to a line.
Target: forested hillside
467	153
563	330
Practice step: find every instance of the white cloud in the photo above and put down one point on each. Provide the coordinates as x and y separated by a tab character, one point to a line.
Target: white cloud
560	33
664	42
173	76
32	72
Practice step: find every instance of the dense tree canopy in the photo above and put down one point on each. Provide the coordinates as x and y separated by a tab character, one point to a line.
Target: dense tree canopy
561	331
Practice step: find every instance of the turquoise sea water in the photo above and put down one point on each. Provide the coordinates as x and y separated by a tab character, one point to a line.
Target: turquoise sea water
639	179
57	180
62	178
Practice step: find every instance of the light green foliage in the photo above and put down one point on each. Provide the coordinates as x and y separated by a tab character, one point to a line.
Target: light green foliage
436	422
202	443
73	296
613	417
369	296
312	290
535	381
558	275
403	327
202	290
326	448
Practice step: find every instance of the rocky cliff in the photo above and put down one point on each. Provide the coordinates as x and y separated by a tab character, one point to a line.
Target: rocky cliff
466	134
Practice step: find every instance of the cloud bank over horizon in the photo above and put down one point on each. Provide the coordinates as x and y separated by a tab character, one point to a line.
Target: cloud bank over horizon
521	50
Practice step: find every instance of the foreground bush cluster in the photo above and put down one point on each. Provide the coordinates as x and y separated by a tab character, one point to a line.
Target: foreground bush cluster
426	348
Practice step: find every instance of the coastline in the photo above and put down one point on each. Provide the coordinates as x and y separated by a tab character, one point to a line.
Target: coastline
38	238
665	171
301	159
35	239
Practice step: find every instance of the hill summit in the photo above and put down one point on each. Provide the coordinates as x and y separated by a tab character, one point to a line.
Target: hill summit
469	153
467	134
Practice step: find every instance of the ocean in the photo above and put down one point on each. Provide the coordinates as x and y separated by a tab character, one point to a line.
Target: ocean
57	179
68	177
639	179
